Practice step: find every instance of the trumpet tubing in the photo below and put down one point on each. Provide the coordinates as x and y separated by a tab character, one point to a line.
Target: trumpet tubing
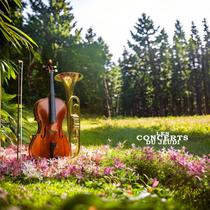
69	80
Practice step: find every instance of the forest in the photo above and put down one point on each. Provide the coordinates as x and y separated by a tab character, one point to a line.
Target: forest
153	77
159	78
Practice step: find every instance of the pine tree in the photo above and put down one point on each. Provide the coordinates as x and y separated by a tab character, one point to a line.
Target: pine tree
195	79
180	73
128	83
143	70
165	70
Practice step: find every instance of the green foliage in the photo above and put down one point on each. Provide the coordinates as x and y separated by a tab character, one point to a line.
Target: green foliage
67	194
89	58
8	123
160	79
113	80
8	70
11	33
52	26
60	40
84	201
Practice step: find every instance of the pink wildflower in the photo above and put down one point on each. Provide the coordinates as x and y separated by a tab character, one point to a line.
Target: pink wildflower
149	153
155	182
71	170
118	164
108	170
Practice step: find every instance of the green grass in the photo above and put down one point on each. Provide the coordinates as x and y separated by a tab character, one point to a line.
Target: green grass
97	131
47	194
66	194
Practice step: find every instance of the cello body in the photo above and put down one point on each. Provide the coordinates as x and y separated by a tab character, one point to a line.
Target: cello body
50	141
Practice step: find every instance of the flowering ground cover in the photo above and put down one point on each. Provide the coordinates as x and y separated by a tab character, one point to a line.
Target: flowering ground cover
111	175
135	178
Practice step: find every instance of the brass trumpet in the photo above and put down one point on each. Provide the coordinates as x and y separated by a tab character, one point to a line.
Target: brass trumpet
69	80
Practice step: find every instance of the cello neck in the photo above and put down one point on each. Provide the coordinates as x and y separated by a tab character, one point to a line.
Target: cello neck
52	107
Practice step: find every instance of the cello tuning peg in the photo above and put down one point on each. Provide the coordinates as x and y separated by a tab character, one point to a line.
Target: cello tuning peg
55	68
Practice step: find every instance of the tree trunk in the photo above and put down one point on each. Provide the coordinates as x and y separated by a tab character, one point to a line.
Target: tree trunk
107	98
205	82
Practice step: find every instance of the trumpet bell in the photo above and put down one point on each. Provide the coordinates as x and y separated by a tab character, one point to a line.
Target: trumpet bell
68	77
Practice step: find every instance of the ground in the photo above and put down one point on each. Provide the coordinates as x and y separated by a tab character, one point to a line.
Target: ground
113	165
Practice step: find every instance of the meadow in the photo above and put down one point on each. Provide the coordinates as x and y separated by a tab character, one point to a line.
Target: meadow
97	131
114	170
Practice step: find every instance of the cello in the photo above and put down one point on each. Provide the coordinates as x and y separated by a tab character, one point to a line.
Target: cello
49	112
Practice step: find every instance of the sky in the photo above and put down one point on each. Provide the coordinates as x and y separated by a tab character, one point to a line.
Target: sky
114	19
